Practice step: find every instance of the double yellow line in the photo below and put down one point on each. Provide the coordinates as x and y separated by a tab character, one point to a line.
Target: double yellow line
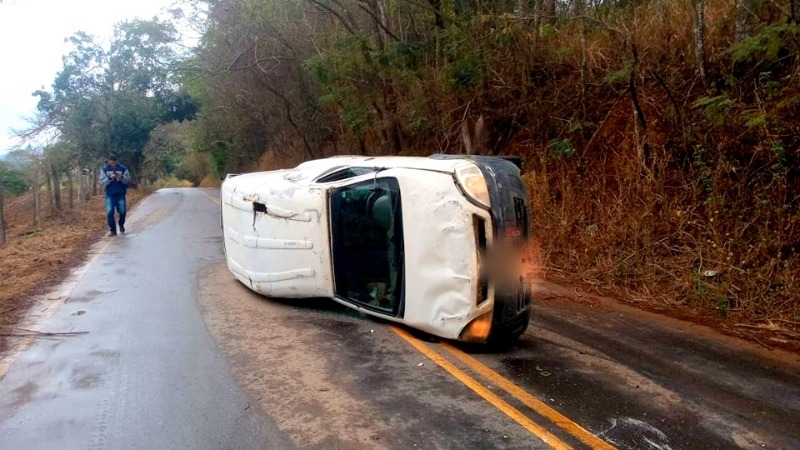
215	200
515	391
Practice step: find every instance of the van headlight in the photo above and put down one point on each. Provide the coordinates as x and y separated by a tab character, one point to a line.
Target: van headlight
472	182
477	331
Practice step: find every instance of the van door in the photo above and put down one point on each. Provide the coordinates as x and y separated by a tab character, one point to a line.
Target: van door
367	245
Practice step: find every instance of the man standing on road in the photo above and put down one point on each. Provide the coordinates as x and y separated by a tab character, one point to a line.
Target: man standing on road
115	177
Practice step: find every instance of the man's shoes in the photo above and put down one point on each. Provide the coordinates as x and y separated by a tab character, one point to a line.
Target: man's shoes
121	229
112	233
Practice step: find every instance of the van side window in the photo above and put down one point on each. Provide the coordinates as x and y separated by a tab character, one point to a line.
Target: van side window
367	244
343	174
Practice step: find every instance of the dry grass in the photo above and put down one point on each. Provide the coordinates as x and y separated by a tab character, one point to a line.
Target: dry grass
634	239
709	228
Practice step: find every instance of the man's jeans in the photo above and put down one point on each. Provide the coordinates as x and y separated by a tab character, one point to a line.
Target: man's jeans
118	202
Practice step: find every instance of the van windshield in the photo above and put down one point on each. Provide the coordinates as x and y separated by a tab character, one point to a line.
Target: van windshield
367	244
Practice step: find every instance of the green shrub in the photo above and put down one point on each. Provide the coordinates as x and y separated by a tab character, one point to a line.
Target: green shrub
716	109
13	181
561	148
766	45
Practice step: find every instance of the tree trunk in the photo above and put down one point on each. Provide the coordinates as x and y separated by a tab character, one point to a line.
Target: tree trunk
741	31
87	192
537	19
37	214
81	187
699	37
548	10
56	187
378	26
437	13
94	182
795	11
474	136
580	8
71	189
2	217
639	119
49	184
524	15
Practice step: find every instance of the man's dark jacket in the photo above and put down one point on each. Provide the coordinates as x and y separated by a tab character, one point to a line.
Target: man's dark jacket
115	187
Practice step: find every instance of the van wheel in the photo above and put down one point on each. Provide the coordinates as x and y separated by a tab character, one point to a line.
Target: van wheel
512	313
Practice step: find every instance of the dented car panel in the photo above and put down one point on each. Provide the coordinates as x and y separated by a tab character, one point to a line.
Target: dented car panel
407	239
276	237
441	290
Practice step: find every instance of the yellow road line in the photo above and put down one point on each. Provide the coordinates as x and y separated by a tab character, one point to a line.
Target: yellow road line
530	401
215	200
487	395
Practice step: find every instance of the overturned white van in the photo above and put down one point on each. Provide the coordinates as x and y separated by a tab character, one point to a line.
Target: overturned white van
433	243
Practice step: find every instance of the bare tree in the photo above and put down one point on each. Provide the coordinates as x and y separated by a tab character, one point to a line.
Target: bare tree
54	178
580	12
740	29
474	136
94	183
37	207
795	11
547	11
2	217
699	36
437	13
70	189
48	183
85	176
378	27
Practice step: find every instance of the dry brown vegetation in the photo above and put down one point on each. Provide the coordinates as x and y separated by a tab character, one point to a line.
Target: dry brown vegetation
697	214
664	188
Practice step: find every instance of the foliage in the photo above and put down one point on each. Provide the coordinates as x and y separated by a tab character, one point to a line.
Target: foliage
768	45
108	99
716	109
621	76
465	73
560	148
168	145
12	179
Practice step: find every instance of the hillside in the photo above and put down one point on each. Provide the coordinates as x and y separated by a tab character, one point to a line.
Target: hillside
661	139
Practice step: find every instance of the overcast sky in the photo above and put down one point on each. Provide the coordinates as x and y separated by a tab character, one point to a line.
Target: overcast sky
32	34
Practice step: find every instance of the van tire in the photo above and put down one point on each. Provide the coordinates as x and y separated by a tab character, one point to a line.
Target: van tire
511	317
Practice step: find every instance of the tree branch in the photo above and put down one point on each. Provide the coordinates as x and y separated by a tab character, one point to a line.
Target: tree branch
377	20
327	8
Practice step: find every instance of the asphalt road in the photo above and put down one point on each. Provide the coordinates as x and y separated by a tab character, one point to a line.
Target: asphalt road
153	344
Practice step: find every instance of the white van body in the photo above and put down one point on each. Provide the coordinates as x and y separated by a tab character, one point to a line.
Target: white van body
400	238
